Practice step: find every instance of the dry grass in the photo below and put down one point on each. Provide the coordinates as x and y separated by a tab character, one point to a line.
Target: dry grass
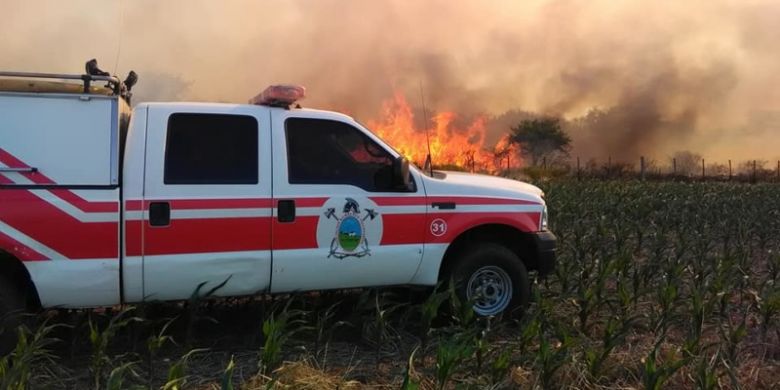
301	375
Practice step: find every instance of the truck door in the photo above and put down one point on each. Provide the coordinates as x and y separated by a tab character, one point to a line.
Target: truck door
338	223
207	201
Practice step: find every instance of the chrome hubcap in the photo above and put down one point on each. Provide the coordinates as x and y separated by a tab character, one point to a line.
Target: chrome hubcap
490	288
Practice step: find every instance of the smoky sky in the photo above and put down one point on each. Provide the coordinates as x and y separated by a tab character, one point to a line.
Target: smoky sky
629	78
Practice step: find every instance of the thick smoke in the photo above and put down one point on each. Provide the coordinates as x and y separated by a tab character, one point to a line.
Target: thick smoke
629	78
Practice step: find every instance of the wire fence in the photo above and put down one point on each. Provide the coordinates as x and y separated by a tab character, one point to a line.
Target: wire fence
750	171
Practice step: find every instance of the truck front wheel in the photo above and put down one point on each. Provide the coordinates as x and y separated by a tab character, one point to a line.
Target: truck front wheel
493	278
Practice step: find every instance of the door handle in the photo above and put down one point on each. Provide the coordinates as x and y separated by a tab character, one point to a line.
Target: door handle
286	210
443	205
159	213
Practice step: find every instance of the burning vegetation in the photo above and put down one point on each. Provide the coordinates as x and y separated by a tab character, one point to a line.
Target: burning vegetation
451	146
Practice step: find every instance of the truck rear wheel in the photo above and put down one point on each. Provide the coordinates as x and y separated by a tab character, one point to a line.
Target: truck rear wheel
493	278
12	308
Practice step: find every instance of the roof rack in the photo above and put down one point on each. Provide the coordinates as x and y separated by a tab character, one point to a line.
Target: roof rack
115	87
113	82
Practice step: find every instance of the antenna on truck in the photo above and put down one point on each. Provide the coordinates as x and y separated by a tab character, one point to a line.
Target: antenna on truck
428	166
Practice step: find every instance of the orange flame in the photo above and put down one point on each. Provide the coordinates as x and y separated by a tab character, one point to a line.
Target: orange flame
450	146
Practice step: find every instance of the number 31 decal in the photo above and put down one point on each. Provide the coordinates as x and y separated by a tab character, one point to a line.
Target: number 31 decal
438	227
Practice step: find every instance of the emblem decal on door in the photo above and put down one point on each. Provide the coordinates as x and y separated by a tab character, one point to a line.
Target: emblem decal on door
350	236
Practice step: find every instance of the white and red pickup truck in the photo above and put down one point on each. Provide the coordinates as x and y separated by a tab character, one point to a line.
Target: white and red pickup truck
102	205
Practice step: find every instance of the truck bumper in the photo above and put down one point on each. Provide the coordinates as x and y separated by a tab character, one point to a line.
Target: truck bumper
545	243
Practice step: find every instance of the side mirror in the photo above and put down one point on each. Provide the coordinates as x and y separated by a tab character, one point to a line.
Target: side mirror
401	173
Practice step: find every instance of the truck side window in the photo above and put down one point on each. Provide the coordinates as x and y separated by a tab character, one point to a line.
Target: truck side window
211	149
330	152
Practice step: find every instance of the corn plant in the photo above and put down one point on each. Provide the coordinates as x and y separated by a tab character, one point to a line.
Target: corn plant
379	331
429	310
551	356
177	372
462	312
193	304
32	350
530	328
409	383
101	338
153	345
278	328
655	373
731	334
450	354
614	334
500	366
769	306
706	377
481	346
227	376
667	296
117	377
325	326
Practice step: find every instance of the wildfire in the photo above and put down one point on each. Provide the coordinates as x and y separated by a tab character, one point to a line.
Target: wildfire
450	145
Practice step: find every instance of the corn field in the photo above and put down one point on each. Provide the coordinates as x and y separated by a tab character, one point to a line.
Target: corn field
658	285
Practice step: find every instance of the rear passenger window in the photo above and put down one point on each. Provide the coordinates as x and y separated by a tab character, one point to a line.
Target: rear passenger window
211	149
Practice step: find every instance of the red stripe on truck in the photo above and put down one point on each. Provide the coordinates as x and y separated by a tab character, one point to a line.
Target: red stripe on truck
134	205
461	200
308	202
133	238
239	203
457	223
399	229
19	250
416	228
471	200
194	204
205	236
205	204
9	160
57	230
68	196
85	205
299	234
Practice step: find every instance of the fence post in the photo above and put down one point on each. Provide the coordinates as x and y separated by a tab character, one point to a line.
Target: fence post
702	169
729	170
754	171
674	166
642	167
578	167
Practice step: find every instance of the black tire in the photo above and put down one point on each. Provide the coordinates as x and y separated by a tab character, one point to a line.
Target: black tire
481	266
12	309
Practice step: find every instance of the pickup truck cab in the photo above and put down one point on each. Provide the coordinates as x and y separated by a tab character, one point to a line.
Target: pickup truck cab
102	205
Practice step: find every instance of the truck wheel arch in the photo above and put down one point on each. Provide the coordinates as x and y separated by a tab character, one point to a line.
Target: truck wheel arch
519	242
15	272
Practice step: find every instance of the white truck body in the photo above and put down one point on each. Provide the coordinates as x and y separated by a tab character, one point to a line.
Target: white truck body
91	207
